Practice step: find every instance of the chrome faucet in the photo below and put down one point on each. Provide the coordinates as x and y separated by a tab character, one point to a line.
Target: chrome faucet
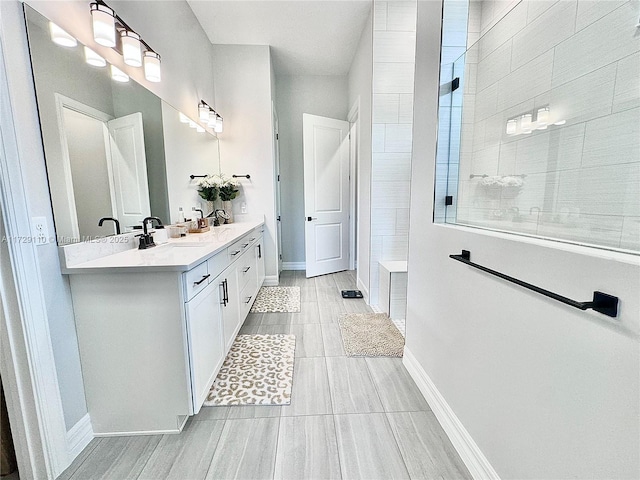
114	220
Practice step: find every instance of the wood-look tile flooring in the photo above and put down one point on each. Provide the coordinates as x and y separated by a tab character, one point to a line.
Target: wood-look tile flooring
350	418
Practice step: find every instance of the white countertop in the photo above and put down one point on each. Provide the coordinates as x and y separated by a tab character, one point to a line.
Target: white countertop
179	254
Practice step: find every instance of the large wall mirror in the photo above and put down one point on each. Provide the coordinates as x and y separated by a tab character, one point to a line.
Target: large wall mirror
113	149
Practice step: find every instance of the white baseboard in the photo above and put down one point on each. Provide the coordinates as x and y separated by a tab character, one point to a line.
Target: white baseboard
79	437
294	265
271	281
376	309
469	452
364	290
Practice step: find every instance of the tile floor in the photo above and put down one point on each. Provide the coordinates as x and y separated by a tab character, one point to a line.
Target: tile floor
350	418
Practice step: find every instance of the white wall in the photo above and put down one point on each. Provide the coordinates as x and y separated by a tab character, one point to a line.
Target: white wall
323	95
360	89
545	390
243	98
394	40
187	77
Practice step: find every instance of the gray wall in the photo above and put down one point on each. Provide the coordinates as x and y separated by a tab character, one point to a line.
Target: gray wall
187	70
318	95
360	87
545	390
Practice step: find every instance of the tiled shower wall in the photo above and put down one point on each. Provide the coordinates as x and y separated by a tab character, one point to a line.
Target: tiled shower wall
394	40
582	59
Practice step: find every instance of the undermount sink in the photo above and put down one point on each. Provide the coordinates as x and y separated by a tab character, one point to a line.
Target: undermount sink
184	244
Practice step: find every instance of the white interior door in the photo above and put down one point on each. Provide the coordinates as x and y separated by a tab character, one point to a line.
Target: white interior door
326	194
128	169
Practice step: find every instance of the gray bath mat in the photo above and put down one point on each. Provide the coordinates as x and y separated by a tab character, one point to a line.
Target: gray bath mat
277	299
370	335
257	371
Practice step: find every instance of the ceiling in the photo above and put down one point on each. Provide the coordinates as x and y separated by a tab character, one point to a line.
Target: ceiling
307	37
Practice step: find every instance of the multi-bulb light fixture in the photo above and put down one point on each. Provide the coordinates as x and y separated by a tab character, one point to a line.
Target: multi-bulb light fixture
525	124
209	116
109	30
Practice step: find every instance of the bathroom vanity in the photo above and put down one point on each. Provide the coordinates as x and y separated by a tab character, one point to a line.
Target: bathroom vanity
154	326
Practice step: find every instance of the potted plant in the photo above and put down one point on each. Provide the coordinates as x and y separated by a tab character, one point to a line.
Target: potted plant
228	190
208	189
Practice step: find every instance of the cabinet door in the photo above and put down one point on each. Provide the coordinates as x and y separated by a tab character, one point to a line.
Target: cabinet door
259	253
206	350
228	282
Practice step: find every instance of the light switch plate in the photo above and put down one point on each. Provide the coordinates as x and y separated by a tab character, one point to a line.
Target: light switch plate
243	207
39	230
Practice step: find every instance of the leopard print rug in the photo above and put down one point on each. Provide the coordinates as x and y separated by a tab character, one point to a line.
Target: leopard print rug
257	371
277	299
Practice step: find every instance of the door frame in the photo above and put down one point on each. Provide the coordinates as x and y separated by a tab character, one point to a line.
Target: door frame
354	156
276	160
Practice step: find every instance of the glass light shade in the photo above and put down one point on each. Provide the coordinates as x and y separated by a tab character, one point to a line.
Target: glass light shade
219	125
104	25
512	126
131	48
61	37
203	112
183	118
199	129
193	124
525	123
152	66
92	58
212	120
118	75
543	117
560	122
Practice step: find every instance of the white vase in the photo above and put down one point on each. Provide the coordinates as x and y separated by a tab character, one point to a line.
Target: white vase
210	209
228	209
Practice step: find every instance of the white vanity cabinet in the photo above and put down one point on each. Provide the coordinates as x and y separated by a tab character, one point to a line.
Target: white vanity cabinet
153	338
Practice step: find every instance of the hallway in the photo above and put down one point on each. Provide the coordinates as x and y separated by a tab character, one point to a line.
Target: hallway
349	417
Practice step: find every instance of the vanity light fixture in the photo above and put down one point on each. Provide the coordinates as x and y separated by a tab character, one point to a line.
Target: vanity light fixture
61	37
103	19
212	119
525	123
131	48
108	27
219	125
92	58
512	126
118	75
203	111
209	115
543	118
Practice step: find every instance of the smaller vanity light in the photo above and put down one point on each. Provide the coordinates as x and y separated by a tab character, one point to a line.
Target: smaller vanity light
219	126
525	123
60	37
183	118
560	122
512	126
104	24
152	66
543	118
92	58
131	48
203	112
118	75
212	120
199	129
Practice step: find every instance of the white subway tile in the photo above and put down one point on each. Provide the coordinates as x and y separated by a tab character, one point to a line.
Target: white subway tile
391	167
504	30
630	238
402	16
590	11
394	47
405	111
494	66
377	137
398	138
527	81
565	146
385	107
486	103
383	221
601	43
610	190
583	228
627	90
389	195
393	77
613	139
485	161
395	247
544	33
402	221
507	159
379	15
538	7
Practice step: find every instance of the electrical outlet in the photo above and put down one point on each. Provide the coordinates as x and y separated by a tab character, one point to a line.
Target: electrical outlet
243	207
39	230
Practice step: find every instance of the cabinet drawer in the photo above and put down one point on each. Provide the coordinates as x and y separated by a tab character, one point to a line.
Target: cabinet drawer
240	246
246	269
195	280
247	297
217	264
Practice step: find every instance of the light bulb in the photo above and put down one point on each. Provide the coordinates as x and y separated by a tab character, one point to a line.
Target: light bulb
512	126
92	58
212	120
61	37
560	122
104	24
203	112
543	118
131	48
118	75
219	125
525	123
183	118
152	66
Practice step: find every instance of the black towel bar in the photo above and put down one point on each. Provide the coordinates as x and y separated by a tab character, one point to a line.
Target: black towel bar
241	176
602	302
196	176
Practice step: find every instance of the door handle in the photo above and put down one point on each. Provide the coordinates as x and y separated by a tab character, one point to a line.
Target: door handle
311	218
